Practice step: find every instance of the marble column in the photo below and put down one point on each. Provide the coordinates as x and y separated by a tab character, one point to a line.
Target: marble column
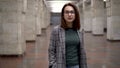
87	16
42	14
113	33
113	19
30	24
12	16
45	16
80	6
38	17
42	10
97	7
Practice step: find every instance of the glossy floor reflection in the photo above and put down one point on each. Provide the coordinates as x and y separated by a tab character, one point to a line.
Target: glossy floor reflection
101	53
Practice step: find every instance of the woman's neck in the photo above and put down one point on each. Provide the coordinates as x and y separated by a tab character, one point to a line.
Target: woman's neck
69	25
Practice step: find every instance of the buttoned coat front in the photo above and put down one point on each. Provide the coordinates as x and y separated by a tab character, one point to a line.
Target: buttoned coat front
57	56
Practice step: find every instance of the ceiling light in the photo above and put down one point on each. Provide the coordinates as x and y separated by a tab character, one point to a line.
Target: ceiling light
104	0
56	6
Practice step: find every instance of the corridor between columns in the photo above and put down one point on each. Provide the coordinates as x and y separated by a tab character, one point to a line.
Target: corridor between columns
25	31
101	53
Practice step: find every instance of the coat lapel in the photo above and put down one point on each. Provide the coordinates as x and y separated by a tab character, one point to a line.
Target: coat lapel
62	39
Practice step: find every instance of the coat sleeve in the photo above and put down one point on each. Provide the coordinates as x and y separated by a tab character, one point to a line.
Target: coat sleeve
83	60
52	50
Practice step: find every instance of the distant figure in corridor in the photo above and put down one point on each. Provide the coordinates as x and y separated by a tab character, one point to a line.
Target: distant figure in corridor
66	49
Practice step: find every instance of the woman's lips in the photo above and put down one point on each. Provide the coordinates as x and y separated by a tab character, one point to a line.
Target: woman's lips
69	18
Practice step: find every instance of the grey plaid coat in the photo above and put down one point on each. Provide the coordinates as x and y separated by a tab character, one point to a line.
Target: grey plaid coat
56	52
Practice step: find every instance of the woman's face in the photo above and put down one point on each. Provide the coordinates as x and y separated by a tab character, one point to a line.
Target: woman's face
69	14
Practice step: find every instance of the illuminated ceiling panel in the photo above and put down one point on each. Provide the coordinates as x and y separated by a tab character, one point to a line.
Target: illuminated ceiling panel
55	6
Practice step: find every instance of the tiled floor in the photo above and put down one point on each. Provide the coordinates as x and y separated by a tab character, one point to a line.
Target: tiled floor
101	53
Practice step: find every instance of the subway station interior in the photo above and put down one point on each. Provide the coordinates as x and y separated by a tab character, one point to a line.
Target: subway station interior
25	28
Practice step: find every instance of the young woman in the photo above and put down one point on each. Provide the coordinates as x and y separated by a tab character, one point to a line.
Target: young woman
66	49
